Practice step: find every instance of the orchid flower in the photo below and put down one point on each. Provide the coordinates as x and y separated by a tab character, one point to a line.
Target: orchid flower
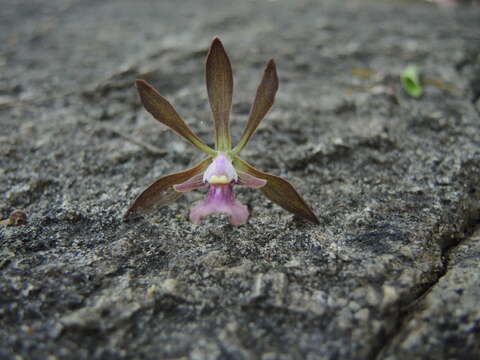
222	169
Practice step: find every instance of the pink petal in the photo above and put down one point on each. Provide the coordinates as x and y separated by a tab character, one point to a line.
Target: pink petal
250	180
194	182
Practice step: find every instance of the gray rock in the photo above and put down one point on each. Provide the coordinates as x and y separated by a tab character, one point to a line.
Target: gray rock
448	311
390	273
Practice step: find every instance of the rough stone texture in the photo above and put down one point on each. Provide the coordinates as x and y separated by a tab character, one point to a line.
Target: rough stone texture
391	272
451	306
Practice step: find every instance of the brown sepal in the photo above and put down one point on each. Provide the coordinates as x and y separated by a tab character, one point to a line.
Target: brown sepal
279	191
219	78
263	102
161	191
164	112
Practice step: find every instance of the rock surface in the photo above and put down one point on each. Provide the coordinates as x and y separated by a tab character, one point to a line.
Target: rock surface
390	273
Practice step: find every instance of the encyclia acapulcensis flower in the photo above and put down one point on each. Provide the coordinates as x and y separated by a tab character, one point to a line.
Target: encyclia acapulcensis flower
222	169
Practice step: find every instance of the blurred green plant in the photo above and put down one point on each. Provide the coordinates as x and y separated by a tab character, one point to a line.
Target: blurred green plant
410	78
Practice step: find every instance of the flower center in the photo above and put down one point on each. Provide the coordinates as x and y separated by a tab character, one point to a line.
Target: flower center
220	171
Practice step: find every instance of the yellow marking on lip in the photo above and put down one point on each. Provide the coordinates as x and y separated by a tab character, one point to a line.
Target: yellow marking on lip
218	179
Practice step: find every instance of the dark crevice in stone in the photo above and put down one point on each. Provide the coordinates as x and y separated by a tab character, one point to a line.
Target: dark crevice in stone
408	310
468	211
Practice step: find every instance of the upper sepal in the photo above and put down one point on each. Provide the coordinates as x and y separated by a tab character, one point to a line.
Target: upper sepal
280	191
161	192
219	78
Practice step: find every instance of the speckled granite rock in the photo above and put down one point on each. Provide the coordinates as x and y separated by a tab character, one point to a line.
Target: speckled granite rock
391	272
446	322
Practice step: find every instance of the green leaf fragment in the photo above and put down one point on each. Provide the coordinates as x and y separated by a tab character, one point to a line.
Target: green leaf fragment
410	78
